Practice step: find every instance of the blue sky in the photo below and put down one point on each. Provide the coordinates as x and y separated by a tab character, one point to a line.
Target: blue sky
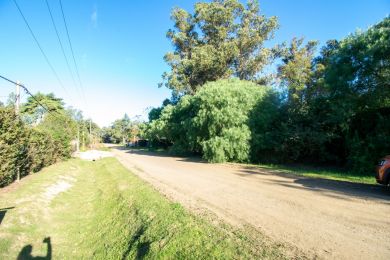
119	45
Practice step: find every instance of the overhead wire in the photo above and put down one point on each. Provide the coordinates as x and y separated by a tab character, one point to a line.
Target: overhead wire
71	48
32	96
41	49
46	57
60	42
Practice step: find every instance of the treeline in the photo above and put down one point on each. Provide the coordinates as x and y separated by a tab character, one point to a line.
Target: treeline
333	108
121	131
35	138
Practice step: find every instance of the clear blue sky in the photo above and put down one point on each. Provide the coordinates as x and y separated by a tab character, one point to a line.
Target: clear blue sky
119	45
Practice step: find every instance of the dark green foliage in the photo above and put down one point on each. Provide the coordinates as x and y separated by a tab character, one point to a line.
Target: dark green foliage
25	149
155	112
13	146
221	121
264	125
335	107
213	122
62	130
332	109
41	150
350	96
368	139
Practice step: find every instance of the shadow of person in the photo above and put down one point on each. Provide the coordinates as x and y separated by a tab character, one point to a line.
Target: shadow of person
2	213
25	253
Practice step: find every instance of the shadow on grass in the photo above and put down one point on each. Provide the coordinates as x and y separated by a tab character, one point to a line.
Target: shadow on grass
142	247
326	186
26	252
2	213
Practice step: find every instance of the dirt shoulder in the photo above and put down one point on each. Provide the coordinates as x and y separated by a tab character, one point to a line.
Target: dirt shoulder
324	218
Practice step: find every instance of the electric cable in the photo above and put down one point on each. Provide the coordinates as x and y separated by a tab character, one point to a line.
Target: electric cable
41	49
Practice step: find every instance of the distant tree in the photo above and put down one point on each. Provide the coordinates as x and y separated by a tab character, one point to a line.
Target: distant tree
223	38
120	130
33	110
295	71
292	136
11	100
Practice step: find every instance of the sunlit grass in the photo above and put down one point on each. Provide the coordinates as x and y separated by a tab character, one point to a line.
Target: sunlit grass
109	213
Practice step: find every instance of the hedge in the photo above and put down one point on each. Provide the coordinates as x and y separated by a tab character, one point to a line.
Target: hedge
24	149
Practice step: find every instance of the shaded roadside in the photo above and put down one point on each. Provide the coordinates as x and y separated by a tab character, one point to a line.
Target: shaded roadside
326	186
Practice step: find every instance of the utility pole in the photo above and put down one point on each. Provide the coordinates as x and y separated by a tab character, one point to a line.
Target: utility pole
83	134
78	137
17	107
90	132
17	99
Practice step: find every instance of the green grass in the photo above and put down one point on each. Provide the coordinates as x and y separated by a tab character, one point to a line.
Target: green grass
314	172
109	213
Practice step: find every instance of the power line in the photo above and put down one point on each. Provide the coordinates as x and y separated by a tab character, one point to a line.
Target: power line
60	42
71	48
40	48
33	97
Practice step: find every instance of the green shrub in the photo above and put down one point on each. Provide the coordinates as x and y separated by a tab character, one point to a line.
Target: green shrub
221	121
369	140
24	149
13	147
62	129
214	122
40	150
180	127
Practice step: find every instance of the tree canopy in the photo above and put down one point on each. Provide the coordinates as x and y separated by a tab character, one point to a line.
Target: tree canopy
222	38
33	109
332	108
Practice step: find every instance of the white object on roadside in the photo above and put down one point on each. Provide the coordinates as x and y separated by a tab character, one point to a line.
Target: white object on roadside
92	155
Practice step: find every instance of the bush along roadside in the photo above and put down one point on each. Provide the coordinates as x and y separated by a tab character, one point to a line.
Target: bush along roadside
25	149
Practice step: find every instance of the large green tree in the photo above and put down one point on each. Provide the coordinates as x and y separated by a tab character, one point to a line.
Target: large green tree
122	130
34	112
215	122
295	71
222	38
352	84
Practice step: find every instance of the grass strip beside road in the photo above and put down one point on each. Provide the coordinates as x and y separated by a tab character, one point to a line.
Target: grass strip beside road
101	210
316	172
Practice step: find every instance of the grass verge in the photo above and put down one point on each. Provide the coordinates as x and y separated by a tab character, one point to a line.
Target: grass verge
314	172
100	210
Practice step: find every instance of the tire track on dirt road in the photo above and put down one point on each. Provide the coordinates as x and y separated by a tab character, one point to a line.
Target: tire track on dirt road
323	218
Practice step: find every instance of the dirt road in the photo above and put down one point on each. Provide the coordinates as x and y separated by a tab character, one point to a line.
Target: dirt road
324	218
